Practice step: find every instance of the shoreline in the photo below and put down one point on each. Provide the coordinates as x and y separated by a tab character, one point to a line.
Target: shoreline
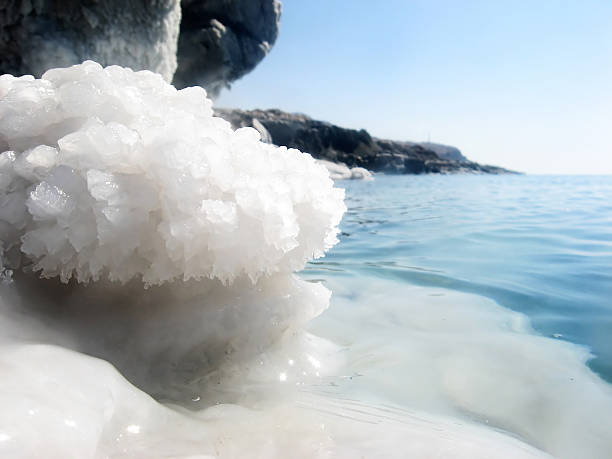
354	148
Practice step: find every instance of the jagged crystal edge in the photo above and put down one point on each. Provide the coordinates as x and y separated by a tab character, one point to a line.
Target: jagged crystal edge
111	173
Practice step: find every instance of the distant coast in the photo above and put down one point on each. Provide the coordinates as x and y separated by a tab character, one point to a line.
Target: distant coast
355	148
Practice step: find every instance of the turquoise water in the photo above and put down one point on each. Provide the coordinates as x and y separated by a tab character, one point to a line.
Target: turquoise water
540	245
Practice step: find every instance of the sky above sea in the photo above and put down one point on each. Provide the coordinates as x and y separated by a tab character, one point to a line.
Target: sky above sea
520	84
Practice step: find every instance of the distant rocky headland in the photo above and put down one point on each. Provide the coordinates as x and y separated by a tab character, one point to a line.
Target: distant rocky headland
355	148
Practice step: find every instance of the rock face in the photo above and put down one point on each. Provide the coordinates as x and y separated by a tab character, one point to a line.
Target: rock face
222	40
36	35
355	148
444	151
340	171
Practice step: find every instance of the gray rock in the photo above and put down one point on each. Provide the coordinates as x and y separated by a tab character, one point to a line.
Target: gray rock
444	151
354	148
222	40
36	35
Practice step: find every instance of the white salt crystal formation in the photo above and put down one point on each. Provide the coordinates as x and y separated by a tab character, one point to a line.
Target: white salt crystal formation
112	174
340	171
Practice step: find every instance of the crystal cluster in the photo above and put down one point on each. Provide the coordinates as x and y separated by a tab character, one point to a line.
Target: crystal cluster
112	174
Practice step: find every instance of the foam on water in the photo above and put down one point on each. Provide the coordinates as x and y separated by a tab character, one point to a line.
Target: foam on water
149	306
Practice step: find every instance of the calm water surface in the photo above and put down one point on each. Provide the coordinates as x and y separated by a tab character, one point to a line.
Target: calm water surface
540	245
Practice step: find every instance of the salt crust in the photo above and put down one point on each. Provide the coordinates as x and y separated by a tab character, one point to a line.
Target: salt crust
110	173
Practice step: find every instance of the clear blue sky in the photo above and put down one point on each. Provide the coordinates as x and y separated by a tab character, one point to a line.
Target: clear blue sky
520	84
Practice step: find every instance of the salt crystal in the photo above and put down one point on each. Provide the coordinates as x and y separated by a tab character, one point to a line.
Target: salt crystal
159	187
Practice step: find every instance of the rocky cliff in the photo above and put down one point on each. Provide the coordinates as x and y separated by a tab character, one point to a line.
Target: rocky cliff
220	40
355	148
36	35
444	151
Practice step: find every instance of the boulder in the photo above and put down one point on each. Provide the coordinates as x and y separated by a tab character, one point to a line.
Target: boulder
222	40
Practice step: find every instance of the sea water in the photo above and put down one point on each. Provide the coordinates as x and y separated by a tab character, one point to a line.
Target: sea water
540	245
480	297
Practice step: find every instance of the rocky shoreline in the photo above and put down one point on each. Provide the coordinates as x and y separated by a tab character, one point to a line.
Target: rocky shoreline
355	148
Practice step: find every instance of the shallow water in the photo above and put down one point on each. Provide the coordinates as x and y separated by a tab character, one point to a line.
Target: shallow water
464	313
481	298
539	245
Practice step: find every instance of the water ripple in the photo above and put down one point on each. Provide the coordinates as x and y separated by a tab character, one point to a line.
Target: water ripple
539	245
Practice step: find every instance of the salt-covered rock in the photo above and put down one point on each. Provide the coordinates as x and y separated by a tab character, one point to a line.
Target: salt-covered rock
112	181
220	42
37	35
340	171
110	173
